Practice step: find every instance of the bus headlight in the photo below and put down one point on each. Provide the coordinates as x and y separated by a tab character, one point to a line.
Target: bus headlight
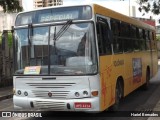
26	93
77	94
85	93
19	92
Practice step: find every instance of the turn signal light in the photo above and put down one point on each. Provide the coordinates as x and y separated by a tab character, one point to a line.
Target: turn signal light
95	93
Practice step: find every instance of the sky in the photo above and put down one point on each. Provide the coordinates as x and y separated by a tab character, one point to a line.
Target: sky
27	4
117	5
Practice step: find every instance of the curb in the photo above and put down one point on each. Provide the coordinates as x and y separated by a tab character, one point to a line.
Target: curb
6	97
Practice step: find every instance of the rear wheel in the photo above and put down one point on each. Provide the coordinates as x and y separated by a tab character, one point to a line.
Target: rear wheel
146	85
118	96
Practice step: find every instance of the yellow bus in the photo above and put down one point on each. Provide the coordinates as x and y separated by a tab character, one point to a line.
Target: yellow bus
80	58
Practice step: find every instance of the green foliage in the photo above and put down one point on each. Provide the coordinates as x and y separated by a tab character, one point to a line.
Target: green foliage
158	37
149	5
11	5
10	39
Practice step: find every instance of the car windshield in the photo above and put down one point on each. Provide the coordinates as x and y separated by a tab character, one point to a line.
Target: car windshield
53	50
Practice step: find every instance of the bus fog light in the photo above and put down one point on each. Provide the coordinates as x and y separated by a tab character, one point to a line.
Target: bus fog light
26	93
85	93
19	92
77	94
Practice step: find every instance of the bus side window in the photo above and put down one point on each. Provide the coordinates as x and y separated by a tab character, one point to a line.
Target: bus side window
151	35
133	35
104	38
117	41
142	41
147	40
100	47
126	42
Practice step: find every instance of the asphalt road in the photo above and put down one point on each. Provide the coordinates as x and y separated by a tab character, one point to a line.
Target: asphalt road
138	100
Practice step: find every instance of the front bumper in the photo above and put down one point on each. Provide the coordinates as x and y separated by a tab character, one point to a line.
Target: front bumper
55	104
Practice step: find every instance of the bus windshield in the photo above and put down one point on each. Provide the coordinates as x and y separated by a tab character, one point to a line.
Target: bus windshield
72	53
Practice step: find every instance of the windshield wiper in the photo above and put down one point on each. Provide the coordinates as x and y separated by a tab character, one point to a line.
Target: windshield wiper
60	33
62	30
30	33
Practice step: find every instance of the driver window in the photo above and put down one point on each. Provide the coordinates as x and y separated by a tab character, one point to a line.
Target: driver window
104	37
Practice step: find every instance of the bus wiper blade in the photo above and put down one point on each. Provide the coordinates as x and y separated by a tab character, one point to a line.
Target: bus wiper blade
63	29
30	34
30	31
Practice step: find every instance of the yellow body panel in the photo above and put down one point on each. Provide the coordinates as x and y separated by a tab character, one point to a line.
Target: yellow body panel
121	65
110	70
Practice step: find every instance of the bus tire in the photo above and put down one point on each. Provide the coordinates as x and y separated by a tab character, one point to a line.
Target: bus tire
118	96
146	85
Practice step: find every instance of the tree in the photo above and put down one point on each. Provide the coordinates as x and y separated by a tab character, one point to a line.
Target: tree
10	5
149	5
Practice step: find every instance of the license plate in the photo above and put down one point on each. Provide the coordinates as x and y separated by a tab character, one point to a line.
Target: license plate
82	105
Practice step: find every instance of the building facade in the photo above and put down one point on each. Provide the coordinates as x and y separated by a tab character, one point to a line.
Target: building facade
46	3
7	20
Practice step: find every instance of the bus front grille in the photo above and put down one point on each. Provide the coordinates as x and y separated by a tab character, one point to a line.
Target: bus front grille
55	94
59	90
49	105
50	85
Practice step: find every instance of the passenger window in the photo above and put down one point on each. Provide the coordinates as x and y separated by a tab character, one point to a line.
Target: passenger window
117	39
104	37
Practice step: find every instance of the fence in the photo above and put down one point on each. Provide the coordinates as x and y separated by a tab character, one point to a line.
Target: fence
6	59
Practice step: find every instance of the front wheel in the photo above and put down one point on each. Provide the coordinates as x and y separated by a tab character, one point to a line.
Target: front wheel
118	96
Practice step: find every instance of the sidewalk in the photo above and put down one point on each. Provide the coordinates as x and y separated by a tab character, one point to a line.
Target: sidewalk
6	93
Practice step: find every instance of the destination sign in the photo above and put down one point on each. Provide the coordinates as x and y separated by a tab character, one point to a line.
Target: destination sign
54	14
58	16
